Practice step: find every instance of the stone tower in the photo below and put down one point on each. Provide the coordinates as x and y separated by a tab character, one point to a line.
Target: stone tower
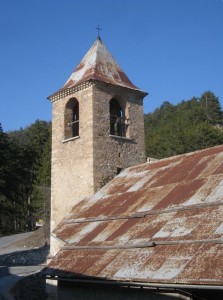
97	130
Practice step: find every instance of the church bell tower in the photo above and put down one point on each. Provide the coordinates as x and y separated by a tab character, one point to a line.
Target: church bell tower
97	130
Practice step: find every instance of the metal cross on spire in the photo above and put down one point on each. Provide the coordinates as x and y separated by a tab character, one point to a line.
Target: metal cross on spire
98	28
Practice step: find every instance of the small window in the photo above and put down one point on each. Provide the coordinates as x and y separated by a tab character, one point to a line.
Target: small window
71	119
117	119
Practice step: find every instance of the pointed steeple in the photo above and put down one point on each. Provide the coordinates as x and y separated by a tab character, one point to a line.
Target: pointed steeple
98	64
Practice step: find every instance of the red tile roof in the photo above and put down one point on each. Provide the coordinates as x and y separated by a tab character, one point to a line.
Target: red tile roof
159	222
98	64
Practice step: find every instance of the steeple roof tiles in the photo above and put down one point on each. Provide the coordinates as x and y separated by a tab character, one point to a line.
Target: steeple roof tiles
98	64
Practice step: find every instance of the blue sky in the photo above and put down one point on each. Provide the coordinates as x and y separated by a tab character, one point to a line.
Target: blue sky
173	49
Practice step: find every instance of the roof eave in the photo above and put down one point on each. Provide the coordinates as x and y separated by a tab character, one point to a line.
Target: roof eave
138	284
96	78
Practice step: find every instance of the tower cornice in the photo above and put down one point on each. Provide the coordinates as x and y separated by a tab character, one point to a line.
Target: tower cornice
81	86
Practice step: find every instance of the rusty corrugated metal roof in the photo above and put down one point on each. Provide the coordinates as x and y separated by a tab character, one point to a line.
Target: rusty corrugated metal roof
159	222
98	64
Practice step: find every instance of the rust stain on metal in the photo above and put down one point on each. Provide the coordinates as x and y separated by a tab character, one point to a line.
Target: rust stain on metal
121	231
219	170
180	193
160	222
94	233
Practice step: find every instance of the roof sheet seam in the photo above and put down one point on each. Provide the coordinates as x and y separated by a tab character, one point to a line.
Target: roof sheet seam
143	245
143	214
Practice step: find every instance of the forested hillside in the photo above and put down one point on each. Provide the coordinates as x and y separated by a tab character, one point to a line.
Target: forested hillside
25	155
24	177
189	126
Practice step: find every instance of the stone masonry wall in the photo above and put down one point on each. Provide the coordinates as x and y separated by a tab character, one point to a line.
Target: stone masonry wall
113	153
72	159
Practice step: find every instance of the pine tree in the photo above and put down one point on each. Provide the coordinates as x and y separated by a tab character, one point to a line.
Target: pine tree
188	126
